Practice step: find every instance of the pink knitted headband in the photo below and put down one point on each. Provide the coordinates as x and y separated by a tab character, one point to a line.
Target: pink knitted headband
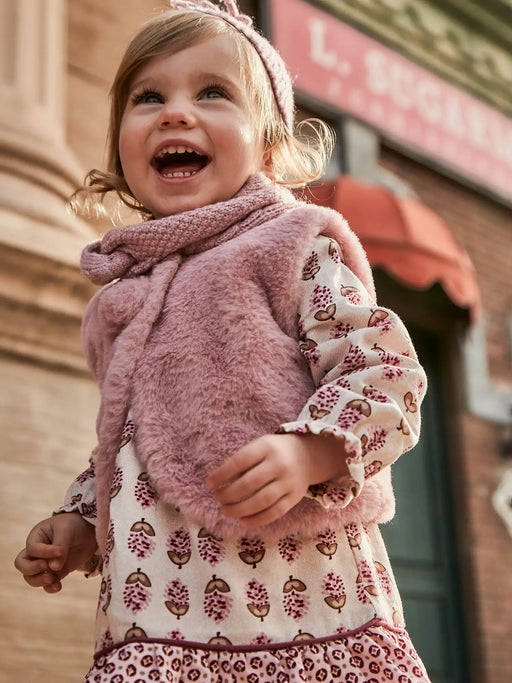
272	61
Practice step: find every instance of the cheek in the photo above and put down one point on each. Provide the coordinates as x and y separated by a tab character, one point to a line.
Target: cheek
124	145
129	138
247	133
129	155
251	141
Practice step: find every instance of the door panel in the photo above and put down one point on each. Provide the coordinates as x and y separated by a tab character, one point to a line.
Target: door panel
421	540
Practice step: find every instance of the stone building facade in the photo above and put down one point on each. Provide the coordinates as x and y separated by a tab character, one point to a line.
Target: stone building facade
57	59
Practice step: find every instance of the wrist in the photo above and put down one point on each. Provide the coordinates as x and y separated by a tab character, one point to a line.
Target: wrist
326	457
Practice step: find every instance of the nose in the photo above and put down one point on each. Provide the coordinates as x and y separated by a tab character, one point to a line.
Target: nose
177	113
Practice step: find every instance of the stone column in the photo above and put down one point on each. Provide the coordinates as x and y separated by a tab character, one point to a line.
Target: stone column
33	151
47	399
38	172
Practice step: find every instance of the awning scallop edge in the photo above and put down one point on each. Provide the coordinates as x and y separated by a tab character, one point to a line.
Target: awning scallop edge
404	237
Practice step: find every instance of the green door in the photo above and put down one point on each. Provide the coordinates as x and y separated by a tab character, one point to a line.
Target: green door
421	540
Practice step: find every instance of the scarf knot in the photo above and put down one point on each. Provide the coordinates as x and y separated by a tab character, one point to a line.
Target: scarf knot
101	268
134	250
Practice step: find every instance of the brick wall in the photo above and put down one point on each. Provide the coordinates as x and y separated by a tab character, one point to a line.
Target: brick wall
484	228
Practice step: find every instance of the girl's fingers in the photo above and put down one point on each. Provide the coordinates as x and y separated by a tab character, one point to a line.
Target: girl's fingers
233	468
269	515
44	579
33	567
29	566
43	550
53	587
246	462
260	482
38	574
36	571
261	500
246	485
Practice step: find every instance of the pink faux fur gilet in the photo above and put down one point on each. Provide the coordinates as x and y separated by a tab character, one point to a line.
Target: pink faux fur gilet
219	363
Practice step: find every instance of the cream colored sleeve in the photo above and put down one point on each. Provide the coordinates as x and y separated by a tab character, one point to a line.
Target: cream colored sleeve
369	382
81	496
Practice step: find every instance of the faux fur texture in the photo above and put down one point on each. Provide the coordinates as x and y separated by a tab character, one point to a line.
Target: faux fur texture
200	343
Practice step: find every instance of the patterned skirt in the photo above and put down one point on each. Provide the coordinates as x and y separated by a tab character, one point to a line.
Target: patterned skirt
374	654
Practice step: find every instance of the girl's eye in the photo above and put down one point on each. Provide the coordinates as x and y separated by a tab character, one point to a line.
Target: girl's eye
213	92
147	97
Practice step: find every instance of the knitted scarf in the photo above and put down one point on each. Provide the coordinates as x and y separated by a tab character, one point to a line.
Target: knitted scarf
135	249
152	252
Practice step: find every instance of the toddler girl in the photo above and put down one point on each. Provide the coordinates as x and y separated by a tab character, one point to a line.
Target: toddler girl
253	393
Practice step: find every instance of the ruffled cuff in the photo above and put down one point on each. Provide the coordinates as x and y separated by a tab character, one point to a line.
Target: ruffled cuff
76	504
81	497
341	491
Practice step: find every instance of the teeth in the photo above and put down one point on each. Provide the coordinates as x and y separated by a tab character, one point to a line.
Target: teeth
175	149
178	174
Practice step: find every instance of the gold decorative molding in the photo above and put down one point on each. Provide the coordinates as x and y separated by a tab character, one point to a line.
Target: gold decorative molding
466	42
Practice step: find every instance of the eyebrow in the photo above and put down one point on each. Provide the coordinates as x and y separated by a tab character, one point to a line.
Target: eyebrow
148	80
204	76
215	76
232	85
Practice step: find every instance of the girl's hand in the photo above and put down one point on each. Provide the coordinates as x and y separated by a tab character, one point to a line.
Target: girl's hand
271	474
55	547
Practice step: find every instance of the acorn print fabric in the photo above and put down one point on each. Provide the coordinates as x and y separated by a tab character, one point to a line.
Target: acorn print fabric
180	604
364	366
167	578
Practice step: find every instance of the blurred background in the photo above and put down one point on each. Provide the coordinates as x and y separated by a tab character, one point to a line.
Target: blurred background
419	93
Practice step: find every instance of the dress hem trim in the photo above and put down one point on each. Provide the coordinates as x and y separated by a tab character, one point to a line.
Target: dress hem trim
250	647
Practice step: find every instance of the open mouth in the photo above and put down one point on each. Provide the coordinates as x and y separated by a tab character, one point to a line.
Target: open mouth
179	161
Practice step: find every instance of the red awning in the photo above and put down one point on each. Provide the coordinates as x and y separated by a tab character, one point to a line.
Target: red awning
404	237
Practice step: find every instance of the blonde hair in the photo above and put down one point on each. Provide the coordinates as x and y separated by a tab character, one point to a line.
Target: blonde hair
293	159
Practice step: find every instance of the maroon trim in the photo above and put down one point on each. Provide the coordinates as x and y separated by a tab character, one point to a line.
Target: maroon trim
184	644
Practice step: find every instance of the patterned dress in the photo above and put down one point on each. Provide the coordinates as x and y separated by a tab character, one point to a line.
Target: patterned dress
180	604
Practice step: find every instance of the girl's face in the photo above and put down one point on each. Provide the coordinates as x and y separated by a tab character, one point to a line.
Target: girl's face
187	137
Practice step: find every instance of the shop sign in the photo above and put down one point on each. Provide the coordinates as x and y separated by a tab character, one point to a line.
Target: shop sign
358	75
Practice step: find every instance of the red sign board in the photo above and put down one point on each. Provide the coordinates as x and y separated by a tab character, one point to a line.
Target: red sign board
345	68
